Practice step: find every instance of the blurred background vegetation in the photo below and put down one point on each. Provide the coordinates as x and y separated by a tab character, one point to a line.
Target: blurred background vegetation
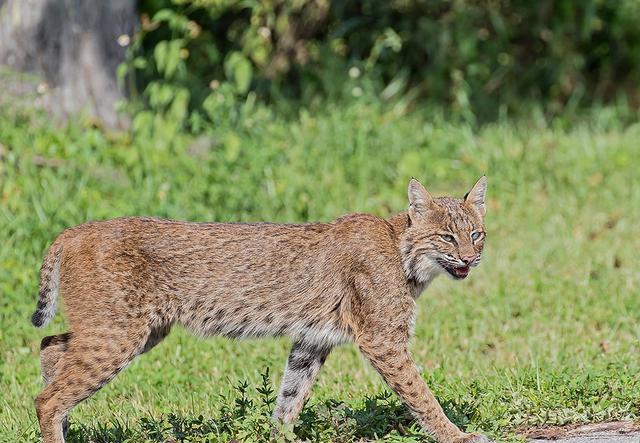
199	60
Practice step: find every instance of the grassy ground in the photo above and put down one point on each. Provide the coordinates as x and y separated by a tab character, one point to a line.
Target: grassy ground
546	331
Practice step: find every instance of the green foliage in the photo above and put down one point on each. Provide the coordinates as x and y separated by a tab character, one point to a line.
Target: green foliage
483	59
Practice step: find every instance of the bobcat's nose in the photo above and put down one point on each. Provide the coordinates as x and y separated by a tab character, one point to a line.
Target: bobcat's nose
468	259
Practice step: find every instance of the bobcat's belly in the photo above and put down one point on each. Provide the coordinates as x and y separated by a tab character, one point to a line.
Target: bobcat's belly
312	330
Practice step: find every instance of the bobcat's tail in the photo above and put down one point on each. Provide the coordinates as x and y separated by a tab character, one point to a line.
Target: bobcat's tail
49	282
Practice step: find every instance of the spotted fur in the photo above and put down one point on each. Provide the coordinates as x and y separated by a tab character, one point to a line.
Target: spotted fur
126	282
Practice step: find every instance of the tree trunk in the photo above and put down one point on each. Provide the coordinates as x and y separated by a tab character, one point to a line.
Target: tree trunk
73	47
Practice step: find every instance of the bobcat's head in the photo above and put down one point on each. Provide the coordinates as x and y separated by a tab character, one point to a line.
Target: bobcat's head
445	234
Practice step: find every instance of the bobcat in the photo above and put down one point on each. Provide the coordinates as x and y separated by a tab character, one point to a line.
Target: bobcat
126	281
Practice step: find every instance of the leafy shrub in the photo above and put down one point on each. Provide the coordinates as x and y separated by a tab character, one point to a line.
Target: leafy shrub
198	60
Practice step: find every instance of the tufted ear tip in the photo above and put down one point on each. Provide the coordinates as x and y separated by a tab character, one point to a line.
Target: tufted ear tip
476	196
419	199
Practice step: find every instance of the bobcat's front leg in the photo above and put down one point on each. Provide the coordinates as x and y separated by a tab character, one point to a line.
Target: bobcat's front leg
397	368
382	331
303	365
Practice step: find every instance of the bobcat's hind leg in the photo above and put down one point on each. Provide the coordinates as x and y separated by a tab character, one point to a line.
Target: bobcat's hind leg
303	365
89	362
52	348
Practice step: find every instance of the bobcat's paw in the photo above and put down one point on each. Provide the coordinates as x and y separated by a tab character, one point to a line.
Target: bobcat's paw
475	438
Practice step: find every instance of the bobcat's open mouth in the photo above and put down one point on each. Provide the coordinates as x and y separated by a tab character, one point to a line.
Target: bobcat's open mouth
456	272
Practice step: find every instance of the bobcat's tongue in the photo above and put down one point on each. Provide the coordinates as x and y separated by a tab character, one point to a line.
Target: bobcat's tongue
461	272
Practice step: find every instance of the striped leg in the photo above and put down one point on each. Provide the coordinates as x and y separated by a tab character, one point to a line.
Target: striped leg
305	361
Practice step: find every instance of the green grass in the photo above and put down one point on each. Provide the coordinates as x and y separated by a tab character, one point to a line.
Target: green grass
546	331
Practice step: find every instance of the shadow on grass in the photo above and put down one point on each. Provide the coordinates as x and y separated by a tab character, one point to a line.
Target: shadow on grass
170	428
378	416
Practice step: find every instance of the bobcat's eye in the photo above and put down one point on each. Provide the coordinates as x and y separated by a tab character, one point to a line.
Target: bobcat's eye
448	238
476	235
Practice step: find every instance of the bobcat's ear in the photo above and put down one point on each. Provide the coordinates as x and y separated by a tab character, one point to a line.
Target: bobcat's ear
419	199
475	197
